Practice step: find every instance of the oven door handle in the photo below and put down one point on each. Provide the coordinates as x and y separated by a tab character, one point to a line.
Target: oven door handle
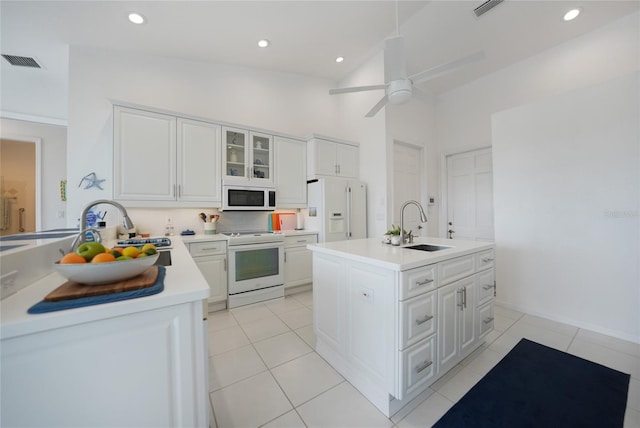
256	246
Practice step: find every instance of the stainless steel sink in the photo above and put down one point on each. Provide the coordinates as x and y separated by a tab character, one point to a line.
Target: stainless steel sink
164	258
427	247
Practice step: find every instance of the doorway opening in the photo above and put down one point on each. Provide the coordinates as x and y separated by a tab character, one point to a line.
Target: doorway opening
19	186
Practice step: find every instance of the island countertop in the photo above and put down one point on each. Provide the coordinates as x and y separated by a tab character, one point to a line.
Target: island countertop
183	283
399	258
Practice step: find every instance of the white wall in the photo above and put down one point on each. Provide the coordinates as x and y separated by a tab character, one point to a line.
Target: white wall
464	122
414	123
53	145
370	133
280	102
567	192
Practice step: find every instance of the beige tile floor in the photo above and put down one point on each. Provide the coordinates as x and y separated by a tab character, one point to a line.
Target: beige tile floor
264	372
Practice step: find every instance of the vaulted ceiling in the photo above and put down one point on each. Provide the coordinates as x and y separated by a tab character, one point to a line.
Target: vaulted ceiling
306	36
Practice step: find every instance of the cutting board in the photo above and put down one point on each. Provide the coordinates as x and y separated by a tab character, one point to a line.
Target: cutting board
74	290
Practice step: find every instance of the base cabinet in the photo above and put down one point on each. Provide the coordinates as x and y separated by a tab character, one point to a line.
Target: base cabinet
298	260
391	333
143	369
211	259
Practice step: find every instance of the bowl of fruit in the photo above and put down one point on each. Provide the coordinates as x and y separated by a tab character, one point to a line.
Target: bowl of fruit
93	263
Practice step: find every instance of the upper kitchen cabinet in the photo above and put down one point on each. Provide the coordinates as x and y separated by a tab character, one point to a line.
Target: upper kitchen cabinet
328	157
248	156
163	160
290	173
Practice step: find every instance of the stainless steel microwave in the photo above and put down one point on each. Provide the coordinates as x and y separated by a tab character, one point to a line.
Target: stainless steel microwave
248	198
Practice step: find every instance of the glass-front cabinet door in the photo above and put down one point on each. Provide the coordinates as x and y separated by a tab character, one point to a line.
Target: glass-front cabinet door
235	153
262	157
248	156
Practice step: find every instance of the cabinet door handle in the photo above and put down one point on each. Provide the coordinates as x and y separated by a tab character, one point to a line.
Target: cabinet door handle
461	304
426	281
285	256
302	240
488	320
179	190
487	287
424	320
423	366
487	259
464	297
338	168
225	264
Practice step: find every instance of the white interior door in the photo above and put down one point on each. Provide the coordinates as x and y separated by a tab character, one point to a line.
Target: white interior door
407	185
470	196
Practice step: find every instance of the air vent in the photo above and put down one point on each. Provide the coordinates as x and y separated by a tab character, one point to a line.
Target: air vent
486	7
21	61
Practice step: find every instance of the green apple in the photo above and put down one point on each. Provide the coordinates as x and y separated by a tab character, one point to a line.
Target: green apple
89	249
121	258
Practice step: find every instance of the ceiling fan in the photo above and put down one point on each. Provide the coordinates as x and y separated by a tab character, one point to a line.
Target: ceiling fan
400	87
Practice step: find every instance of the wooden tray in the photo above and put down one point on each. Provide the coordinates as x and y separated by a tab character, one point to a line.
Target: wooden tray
74	290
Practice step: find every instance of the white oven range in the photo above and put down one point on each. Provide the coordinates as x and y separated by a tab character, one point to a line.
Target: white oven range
256	267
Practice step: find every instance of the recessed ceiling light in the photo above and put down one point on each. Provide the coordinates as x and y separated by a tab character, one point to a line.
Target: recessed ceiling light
572	14
136	18
263	43
339	59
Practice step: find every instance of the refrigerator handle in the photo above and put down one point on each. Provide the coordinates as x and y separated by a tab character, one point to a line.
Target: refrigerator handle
348	212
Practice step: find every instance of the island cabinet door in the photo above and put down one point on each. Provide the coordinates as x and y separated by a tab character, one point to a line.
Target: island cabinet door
371	322
449	299
328	301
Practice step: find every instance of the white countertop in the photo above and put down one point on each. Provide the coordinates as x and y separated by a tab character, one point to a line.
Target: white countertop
201	237
398	258
183	283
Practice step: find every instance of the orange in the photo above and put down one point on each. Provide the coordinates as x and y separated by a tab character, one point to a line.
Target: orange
130	252
72	258
103	258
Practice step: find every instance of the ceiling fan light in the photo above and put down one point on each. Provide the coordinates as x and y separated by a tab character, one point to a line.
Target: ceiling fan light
399	91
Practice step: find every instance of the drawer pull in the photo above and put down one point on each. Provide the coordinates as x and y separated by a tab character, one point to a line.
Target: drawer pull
423	366
487	259
424	320
301	240
210	249
488	320
425	282
487	287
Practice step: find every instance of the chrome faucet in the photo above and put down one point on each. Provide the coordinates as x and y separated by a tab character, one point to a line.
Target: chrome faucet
423	218
126	221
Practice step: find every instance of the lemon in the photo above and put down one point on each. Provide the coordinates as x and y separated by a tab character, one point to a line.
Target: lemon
130	252
147	247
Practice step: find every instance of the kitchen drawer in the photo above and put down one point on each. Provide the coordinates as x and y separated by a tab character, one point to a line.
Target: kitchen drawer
486	319
417	366
485	260
207	248
418	318
418	281
485	284
300	240
455	269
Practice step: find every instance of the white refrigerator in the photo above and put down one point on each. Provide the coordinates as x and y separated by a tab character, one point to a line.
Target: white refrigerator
337	209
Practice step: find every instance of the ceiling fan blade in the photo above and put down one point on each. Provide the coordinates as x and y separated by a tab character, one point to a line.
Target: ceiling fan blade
423	96
394	60
376	108
356	89
443	69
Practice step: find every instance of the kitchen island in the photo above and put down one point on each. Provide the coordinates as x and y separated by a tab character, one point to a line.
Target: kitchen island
392	320
137	362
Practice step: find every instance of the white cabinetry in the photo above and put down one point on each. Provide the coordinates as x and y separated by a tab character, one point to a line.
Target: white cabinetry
392	333
332	158
298	260
290	173
141	369
159	157
211	259
247	157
